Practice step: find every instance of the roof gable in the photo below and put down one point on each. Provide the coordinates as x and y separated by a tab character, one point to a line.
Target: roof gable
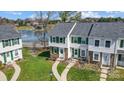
61	29
82	29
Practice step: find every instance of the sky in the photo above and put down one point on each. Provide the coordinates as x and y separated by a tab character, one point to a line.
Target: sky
31	14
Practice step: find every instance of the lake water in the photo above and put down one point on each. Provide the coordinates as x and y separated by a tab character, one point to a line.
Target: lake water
29	36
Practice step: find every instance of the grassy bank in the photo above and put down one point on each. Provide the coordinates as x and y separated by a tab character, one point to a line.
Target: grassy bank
24	28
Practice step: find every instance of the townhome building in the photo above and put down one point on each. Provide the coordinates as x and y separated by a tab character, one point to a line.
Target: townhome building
10	44
101	43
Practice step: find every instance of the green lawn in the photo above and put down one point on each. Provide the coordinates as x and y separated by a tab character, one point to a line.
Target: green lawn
61	67
116	75
76	74
9	71
34	68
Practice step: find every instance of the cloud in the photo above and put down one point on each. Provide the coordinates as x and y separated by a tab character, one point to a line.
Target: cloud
90	14
14	13
32	16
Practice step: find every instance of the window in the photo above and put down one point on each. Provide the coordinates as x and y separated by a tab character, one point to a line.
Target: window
79	40
61	51
96	56
120	57
83	53
51	39
55	50
7	54
61	40
107	44
76	52
97	43
54	39
16	52
57	39
75	39
122	44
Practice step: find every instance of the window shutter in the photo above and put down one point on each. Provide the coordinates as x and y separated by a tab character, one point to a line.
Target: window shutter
18	41
72	52
3	43
78	52
64	40
86	40
51	39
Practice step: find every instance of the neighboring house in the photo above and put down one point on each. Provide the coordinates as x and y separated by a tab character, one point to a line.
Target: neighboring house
59	40
101	43
10	44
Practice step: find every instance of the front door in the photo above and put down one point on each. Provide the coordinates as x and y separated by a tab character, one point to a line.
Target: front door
61	52
106	59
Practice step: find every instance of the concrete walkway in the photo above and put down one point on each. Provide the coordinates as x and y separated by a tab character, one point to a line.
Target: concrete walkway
104	73
2	76
17	72
54	69
65	72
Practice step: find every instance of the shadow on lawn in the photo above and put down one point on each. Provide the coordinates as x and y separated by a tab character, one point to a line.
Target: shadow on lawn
45	54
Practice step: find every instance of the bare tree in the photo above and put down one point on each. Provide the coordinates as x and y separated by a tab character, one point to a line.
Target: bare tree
41	30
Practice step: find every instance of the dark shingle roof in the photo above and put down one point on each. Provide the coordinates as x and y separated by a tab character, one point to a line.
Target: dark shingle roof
108	30
82	29
61	29
8	32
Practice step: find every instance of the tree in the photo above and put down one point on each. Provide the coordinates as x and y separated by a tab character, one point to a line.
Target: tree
41	30
66	16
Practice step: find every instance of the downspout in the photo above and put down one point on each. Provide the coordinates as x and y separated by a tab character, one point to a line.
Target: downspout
68	40
88	58
115	56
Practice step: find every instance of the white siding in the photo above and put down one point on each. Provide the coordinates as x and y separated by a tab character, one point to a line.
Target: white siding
10	48
101	47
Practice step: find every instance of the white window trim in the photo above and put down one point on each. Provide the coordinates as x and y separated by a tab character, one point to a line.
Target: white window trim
81	53
105	43
98	57
99	42
120	43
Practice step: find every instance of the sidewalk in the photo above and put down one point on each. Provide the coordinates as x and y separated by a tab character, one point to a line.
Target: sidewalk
54	69
17	72
66	70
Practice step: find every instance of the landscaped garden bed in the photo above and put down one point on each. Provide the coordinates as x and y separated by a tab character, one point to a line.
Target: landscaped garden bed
116	75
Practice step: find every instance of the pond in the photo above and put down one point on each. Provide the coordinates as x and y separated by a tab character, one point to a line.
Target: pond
29	36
